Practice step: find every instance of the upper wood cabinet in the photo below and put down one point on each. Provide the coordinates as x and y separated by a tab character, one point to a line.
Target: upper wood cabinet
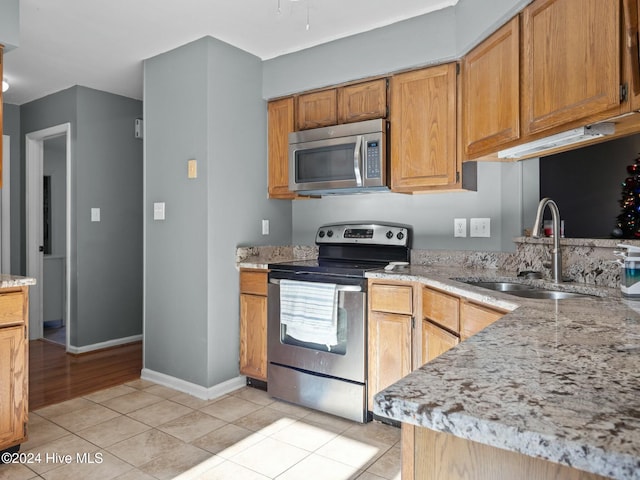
571	61
280	125
423	129
317	109
491	92
362	101
631	55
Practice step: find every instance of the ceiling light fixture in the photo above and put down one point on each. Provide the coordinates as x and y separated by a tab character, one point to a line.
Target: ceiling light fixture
5	85
570	137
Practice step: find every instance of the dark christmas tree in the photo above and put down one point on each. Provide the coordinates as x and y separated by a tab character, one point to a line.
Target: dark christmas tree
628	222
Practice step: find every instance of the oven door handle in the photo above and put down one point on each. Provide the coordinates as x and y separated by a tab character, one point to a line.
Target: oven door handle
340	288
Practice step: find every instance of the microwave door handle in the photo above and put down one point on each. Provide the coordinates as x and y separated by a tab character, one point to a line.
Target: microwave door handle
357	161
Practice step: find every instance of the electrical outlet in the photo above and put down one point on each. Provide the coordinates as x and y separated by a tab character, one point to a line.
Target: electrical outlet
480	227
265	227
459	227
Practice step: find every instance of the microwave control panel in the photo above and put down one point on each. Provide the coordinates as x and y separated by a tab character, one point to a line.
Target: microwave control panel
373	159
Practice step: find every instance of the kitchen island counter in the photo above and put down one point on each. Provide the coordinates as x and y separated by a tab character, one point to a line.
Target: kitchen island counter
554	380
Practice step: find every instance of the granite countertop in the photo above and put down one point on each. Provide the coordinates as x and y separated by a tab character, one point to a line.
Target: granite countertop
7	281
559	380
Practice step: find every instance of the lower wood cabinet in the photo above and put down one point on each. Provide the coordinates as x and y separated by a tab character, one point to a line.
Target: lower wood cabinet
391	336
253	323
475	317
14	379
436	341
398	344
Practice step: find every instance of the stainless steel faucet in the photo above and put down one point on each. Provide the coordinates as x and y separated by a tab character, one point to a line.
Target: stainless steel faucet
556	255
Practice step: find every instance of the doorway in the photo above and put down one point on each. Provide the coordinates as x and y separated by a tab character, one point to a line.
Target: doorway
48	153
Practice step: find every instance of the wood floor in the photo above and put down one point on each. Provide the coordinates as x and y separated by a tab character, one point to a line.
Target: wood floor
55	376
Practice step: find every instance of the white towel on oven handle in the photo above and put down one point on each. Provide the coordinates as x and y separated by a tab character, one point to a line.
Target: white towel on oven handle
309	310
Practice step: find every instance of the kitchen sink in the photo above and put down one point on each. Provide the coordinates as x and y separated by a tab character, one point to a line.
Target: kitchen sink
502	286
527	291
548	294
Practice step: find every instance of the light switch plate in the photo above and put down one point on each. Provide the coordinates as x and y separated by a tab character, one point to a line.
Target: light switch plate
192	169
158	211
95	214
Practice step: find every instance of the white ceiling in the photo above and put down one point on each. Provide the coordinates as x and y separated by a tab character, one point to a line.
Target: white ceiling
101	43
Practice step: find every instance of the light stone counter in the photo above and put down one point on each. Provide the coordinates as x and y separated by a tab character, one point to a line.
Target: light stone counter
558	380
261	257
8	281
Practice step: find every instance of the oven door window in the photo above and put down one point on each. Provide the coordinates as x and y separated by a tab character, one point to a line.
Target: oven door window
325	164
340	348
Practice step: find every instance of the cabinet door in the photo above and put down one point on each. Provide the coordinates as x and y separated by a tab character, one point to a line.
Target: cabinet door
571	61
253	336
423	129
318	109
435	341
631	55
13	385
280	125
474	318
389	350
363	101
491	91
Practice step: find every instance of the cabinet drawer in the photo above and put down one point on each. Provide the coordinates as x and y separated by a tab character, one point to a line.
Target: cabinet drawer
474	318
441	308
392	298
253	282
11	308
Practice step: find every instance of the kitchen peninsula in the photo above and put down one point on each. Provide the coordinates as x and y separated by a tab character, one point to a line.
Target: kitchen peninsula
551	390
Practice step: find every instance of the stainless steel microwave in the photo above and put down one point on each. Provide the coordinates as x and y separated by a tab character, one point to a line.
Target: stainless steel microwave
350	158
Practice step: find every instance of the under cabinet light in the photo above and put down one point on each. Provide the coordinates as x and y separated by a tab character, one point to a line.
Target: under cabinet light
570	137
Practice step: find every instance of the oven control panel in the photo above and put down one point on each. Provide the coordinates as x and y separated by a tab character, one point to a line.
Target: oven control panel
364	233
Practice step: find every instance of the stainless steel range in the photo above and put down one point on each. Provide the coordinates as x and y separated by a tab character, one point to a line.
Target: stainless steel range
317	317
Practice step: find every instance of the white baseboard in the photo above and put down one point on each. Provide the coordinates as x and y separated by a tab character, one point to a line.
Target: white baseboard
193	389
101	345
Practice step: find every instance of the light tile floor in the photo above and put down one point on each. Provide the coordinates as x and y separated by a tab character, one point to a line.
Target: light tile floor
141	430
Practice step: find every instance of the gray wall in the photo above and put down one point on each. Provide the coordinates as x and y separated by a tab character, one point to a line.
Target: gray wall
212	112
433	38
106	265
431	215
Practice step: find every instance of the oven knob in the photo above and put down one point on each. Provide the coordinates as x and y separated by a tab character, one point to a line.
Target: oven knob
321	234
389	234
330	233
400	235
